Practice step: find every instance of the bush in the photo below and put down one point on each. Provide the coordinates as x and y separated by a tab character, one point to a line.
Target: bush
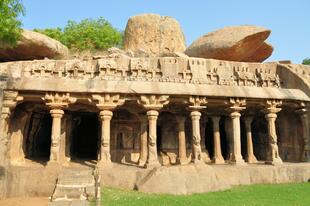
10	30
306	61
89	34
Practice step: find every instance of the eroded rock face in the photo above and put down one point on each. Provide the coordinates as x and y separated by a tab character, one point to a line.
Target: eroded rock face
33	45
261	54
235	43
154	34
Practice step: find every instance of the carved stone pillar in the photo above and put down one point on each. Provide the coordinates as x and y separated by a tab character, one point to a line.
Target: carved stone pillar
56	102
271	115
152	103
105	118
196	105
182	158
106	103
236	105
143	140
250	158
217	157
10	100
56	114
303	113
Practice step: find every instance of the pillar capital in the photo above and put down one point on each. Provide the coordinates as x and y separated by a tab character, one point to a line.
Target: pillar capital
195	115
215	119
235	104
153	102
197	103
271	106
107	101
56	100
57	113
180	119
106	115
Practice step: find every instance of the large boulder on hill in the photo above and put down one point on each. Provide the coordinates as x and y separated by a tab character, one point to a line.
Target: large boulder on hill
261	54
235	43
154	34
33	45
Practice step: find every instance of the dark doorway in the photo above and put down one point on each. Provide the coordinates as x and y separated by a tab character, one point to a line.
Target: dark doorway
38	142
85	136
260	137
224	136
243	139
158	139
209	141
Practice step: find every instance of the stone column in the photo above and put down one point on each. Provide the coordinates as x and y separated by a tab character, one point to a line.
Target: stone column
143	140
105	118
270	115
10	100
250	158
303	114
152	160
56	102
106	103
152	104
182	158
217	157
234	110
195	116
56	132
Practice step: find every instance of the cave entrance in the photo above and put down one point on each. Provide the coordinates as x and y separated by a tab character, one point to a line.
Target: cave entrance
85	136
38	141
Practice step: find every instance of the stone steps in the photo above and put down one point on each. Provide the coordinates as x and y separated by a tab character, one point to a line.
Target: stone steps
75	187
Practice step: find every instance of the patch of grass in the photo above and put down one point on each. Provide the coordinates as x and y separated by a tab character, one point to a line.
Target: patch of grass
282	194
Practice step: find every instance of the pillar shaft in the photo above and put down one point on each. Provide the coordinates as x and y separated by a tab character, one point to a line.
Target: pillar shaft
152	160
217	156
305	126
273	157
56	132
105	156
182	158
195	116
143	141
250	158
4	124
236	157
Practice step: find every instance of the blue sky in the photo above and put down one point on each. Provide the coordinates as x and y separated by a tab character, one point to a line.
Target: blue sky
288	19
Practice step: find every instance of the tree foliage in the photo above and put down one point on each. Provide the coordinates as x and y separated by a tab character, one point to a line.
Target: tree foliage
89	34
306	61
10	30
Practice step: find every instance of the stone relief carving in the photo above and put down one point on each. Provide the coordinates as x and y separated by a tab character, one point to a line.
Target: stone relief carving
160	69
57	100
153	102
107	101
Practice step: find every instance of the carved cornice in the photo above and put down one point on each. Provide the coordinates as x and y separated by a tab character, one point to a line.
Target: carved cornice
107	101
56	100
153	102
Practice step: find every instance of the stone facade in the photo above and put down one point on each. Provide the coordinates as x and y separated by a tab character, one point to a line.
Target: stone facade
152	111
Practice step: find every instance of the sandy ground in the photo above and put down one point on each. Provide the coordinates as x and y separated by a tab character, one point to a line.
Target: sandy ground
24	201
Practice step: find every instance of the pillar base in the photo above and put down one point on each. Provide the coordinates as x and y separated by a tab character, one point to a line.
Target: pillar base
150	165
275	161
218	160
141	163
237	161
53	164
251	159
182	161
197	161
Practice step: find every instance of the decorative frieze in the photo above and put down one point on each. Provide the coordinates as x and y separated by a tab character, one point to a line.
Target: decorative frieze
158	69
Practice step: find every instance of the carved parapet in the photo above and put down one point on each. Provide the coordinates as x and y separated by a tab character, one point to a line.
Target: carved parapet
107	101
236	104
153	102
56	100
197	102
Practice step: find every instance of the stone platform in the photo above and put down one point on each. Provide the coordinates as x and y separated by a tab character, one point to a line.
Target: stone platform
191	178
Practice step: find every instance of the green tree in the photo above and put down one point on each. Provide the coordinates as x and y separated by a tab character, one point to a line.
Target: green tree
306	61
89	34
10	25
